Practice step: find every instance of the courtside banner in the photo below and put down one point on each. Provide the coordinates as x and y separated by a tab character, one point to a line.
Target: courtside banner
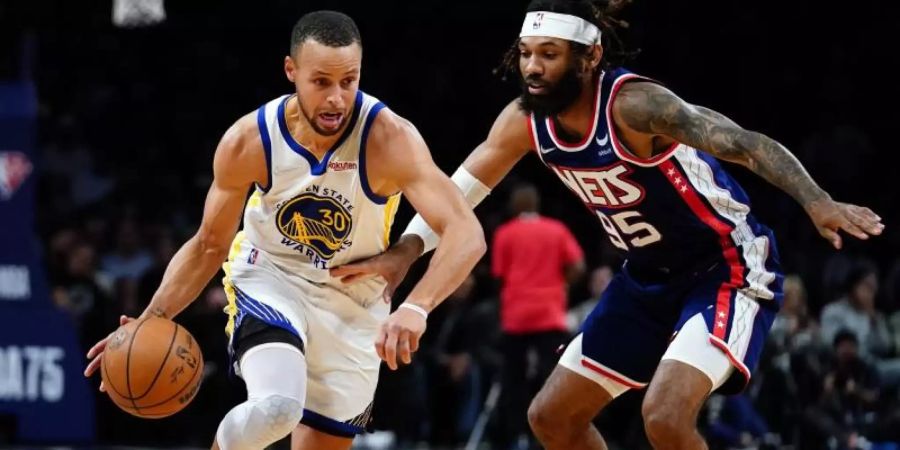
43	396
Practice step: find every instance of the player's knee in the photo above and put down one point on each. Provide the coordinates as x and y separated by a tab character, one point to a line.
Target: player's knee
544	422
259	422
662	422
272	418
536	417
279	415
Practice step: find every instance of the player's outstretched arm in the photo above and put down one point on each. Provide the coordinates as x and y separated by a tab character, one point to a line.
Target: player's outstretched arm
408	164
652	109
238	163
507	142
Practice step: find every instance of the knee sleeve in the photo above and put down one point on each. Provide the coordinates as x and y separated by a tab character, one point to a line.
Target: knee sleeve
275	374
258	423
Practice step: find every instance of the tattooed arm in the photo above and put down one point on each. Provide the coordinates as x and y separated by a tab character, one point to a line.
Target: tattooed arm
651	109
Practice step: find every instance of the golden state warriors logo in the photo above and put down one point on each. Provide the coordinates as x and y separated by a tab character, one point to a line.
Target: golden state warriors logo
320	224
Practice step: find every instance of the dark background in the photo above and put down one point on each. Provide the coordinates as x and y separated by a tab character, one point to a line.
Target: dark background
148	106
155	101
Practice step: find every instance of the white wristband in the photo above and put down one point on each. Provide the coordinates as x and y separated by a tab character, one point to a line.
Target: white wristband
419	227
473	190
415	308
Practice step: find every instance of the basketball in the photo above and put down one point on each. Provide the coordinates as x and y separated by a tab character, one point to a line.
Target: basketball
152	367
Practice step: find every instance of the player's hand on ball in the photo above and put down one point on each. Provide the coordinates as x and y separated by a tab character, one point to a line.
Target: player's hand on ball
399	337
95	354
830	217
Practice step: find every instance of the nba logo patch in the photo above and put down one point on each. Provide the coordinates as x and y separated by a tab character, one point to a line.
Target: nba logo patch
537	21
253	254
14	169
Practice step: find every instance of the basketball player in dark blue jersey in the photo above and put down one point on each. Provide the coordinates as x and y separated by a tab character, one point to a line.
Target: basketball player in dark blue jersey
689	311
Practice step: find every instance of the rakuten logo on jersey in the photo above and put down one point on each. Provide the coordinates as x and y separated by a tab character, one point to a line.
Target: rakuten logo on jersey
339	166
608	187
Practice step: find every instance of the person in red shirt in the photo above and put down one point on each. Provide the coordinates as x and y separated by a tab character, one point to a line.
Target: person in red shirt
535	258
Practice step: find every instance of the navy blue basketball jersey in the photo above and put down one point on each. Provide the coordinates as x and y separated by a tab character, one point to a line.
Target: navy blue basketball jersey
668	213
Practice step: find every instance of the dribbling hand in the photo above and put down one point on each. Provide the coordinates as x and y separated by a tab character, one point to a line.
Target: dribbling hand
95	354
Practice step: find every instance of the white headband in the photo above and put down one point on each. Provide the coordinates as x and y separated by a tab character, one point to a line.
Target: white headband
562	26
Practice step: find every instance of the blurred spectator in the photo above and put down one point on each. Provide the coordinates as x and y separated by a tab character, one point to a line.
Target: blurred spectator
792	350
165	249
793	328
77	291
71	161
59	248
892	296
66	155
856	313
597	283
95	230
129	259
454	350
533	257
734	423
845	415
834	277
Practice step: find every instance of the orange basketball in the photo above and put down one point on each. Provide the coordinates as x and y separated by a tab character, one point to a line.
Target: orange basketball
152	367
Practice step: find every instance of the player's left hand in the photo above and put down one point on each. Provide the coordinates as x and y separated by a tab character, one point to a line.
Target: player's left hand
399	337
391	265
95	354
830	217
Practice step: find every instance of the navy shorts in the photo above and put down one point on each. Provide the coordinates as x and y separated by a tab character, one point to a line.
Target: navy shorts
629	330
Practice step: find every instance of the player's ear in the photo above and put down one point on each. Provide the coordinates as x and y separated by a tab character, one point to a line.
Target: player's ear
596	55
290	69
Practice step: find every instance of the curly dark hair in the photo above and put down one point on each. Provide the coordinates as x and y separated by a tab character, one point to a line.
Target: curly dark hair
598	12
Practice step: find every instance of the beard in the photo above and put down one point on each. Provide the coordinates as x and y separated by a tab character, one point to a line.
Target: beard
558	97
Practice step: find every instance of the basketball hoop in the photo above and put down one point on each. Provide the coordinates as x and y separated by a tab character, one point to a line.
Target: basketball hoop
138	13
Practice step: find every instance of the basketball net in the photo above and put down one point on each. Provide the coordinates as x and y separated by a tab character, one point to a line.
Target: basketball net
138	13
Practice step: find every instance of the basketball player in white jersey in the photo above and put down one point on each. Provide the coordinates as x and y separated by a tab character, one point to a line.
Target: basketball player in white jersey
326	166
690	309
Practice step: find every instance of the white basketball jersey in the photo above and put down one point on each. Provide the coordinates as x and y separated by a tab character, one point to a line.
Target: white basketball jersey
315	214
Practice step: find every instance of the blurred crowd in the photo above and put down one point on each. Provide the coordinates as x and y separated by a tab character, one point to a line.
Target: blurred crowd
829	378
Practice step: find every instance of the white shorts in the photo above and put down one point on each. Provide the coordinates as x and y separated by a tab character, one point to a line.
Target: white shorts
691	346
338	333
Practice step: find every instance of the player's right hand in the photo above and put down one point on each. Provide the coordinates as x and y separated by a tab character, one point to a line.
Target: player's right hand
399	337
392	265
95	354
